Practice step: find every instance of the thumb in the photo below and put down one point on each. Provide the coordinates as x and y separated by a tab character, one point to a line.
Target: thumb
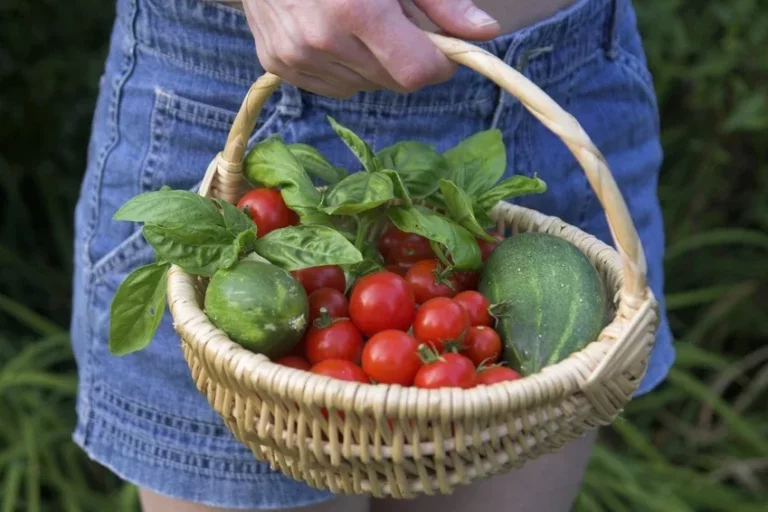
460	18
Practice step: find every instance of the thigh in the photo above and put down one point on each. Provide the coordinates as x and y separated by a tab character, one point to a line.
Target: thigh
547	484
152	502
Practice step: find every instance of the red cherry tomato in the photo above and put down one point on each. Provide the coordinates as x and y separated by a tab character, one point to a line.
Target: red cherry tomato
482	345
391	357
339	340
294	362
324	276
380	301
496	374
440	320
267	209
446	371
334	302
341	369
428	280
388	240
400	269
476	306
486	248
468	279
400	247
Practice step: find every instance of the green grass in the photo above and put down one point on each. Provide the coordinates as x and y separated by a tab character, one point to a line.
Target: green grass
699	443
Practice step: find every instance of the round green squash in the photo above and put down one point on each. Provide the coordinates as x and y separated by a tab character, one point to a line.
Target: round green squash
548	299
260	306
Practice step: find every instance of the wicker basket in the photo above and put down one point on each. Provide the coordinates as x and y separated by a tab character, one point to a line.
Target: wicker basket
402	442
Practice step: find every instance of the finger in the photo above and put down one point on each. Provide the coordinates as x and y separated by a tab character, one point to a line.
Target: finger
339	74
461	18
356	56
320	85
405	51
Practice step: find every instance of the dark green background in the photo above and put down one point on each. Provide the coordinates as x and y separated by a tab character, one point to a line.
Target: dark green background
699	443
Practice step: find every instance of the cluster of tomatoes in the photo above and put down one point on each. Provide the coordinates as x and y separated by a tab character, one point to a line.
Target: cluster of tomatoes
414	323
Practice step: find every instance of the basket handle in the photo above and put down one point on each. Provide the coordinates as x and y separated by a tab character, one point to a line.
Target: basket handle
227	167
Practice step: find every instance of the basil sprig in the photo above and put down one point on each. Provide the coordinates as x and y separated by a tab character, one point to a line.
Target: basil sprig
202	236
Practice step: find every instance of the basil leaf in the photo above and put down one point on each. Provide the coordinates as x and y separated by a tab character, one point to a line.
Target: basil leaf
169	208
423	221
245	243
477	163
485	220
197	248
419	165
357	193
298	247
271	164
398	186
509	188
354	272
316	164
359	147
235	220
137	309
460	209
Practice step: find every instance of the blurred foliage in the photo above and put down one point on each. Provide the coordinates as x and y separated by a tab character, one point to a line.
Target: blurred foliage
699	443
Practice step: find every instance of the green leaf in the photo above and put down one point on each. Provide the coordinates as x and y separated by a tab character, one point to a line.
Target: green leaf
137	309
419	165
354	272
197	248
169	208
460	243
357	193
485	220
460	208
316	164
359	147
509	188
478	162
244	244
270	163
298	247
235	220
399	189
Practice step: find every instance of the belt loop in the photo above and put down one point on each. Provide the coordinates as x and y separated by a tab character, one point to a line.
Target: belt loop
612	32
516	41
290	103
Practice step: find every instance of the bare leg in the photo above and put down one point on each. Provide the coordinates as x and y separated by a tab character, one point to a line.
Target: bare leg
151	502
547	484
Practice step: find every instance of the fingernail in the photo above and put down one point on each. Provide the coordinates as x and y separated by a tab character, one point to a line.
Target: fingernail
478	17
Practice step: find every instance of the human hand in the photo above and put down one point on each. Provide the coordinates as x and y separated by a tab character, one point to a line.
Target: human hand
340	47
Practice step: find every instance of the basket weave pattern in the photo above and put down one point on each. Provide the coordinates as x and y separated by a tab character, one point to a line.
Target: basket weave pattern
402	442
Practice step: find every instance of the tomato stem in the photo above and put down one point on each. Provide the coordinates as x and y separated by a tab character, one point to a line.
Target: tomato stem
454	346
501	310
324	320
438	250
443	275
428	353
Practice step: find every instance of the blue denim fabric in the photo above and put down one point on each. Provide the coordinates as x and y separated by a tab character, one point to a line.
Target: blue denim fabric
176	73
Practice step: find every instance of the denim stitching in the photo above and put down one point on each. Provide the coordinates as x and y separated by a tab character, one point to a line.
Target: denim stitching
148	450
587	194
632	64
195	112
201	70
117	257
127	65
132	406
356	107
